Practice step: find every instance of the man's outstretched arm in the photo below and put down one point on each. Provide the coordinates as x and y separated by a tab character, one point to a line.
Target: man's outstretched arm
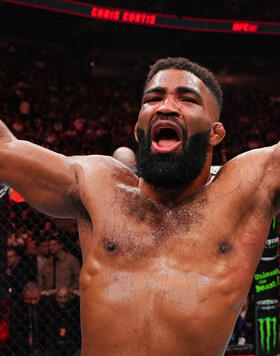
46	179
271	169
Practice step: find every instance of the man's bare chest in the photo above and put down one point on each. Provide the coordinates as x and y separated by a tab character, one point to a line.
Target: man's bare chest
135	227
128	226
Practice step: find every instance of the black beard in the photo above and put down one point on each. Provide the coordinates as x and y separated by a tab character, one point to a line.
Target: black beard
172	170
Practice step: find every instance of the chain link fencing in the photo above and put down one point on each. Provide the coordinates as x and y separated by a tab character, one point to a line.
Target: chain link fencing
40	261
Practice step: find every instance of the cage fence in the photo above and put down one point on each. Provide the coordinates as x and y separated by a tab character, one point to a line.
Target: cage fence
40	262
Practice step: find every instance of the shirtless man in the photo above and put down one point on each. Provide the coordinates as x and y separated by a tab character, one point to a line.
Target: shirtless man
168	258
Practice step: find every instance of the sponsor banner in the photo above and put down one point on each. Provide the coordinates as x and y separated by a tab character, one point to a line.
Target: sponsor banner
267	328
266	281
267	277
270	252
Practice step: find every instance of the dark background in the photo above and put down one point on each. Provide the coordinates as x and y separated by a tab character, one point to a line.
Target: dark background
81	38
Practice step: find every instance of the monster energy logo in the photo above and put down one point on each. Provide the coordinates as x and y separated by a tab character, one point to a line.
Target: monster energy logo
267	274
274	223
270	325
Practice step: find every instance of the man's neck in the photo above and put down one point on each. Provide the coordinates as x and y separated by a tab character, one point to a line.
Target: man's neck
175	195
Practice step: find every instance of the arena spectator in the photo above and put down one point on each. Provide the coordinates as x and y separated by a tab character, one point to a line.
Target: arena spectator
29	323
16	273
42	256
29	258
61	268
65	319
243	332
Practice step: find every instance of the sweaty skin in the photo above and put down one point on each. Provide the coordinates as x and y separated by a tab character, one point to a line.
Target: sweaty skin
165	272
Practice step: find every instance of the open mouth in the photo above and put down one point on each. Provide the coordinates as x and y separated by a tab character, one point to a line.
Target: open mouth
166	136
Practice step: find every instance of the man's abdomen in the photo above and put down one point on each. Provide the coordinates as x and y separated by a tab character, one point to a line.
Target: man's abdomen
155	313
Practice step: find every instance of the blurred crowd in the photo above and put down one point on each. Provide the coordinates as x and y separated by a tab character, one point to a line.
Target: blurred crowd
39	313
67	115
95	114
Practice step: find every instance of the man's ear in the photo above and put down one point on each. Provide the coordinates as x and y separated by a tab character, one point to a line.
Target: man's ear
135	131
218	132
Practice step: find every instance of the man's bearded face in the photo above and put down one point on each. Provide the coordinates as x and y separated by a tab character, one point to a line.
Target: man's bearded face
174	169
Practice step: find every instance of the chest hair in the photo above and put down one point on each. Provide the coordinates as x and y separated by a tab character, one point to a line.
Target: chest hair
137	225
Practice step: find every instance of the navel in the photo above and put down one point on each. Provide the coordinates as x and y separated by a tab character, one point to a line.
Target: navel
225	247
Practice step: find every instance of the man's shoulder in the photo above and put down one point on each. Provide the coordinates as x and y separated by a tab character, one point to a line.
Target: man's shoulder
248	167
255	160
97	164
101	169
90	162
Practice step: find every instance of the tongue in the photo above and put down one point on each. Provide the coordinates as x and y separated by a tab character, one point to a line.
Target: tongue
164	142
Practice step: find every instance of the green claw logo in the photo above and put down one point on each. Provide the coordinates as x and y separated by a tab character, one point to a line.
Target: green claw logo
268	327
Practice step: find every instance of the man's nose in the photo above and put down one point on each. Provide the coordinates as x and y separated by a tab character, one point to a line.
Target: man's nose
168	107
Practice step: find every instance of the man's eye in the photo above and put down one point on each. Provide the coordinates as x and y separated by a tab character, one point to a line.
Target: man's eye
189	100
155	98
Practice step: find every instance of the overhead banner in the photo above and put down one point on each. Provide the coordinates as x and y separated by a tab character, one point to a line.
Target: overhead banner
135	17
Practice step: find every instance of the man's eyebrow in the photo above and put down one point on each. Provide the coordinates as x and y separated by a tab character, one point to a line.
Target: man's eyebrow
179	90
159	90
186	89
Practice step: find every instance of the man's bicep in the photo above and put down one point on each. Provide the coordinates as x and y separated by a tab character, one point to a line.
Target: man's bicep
274	164
273	176
46	179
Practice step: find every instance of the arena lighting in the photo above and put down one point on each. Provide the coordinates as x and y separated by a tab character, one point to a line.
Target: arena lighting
104	13
15	196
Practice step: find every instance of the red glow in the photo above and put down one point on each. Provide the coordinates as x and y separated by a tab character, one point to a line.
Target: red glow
244	27
4	331
15	196
139	18
105	14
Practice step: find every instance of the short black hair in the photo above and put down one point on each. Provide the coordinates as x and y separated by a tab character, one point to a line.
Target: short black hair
201	72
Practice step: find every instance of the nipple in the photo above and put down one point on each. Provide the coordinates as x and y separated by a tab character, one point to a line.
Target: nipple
225	247
111	246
